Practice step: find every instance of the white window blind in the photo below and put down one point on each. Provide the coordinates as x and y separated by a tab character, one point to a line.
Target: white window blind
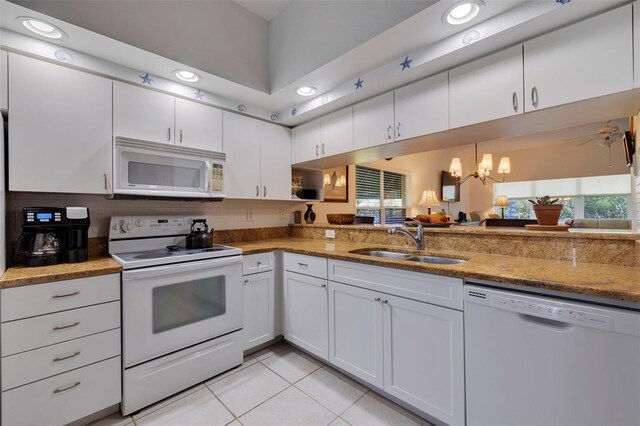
381	194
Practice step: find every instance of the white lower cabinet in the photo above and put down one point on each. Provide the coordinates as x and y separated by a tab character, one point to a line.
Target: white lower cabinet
355	332
60	354
305	310
424	357
410	349
259	299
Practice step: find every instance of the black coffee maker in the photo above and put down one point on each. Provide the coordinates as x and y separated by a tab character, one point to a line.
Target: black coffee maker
52	235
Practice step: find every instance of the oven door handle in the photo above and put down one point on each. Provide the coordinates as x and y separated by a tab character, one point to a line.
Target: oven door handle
179	268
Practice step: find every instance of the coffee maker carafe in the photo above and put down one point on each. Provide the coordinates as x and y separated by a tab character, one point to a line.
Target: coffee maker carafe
52	235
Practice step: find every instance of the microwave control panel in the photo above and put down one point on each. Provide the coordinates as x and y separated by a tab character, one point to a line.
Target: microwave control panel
217	178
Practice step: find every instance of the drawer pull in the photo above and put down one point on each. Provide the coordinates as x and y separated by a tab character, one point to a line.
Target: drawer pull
62	296
246	281
303	265
66	388
323	285
62	358
63	327
259	263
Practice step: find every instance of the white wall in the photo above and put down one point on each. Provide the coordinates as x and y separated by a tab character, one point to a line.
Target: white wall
309	34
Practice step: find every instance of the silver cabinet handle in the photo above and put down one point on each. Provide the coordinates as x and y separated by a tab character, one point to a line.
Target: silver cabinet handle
303	265
264	191
257	191
322	148
389	132
377	299
62	358
259	263
514	101
323	285
63	327
181	136
398	129
169	134
386	302
534	96
66	388
317	154
246	281
61	296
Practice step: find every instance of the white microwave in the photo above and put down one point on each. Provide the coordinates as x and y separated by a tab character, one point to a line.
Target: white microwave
151	169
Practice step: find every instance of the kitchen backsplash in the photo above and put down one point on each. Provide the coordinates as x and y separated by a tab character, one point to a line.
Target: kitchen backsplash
228	214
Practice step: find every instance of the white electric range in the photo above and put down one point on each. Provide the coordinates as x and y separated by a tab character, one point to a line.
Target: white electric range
181	308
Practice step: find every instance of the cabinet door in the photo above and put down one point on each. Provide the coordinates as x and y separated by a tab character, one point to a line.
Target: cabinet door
59	129
373	121
141	113
306	313
355	331
306	142
3	81
422	108
636	43
423	357
259	305
241	137
337	132
275	148
585	60
486	89
198	126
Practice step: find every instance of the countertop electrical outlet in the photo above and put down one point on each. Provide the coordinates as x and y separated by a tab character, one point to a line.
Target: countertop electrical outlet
330	233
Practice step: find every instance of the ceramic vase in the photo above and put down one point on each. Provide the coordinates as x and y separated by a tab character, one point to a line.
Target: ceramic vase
309	215
548	214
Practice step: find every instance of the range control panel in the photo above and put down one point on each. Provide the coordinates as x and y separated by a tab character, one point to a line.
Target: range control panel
151	226
566	314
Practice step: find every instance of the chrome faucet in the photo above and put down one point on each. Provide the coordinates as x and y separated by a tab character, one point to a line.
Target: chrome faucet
417	239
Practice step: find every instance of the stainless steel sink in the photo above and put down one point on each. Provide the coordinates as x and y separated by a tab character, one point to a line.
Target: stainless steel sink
436	259
408	256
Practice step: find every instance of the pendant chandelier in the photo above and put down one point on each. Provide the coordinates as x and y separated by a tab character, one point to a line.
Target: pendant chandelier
484	169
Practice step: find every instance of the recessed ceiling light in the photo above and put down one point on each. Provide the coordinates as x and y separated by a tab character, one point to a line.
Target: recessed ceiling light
42	28
188	76
306	91
463	12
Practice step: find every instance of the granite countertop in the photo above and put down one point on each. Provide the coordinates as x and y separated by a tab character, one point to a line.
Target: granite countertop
20	275
620	283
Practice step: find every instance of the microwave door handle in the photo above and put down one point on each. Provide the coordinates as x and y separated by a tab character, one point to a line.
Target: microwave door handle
209	168
178	268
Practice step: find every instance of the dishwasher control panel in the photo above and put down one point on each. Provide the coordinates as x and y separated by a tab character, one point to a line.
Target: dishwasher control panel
564	313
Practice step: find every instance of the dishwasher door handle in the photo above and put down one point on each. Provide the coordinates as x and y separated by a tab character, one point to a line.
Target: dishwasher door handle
551	324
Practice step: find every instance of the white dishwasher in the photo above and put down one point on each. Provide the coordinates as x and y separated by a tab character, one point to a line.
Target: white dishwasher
543	361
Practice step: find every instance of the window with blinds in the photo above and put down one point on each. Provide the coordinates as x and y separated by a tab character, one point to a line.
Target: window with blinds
381	194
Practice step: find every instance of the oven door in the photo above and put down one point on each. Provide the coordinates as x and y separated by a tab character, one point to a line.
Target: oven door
170	307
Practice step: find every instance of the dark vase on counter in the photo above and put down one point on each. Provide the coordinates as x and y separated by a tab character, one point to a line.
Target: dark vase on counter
309	215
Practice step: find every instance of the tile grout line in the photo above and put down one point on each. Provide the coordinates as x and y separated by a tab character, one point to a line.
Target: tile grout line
263	402
222	403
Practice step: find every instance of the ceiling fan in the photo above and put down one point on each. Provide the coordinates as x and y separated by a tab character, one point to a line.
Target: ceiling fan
604	137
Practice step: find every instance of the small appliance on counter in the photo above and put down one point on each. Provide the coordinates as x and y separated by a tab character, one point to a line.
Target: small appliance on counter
52	235
199	236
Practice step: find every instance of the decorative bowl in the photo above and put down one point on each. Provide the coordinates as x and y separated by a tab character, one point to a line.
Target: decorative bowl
341	218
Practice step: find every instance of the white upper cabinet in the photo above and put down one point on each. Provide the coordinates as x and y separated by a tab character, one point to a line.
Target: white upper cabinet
4	104
258	158
329	135
589	59
373	122
59	128
198	125
140	113
241	137
422	108
486	89
275	148
636	43
337	132
307	139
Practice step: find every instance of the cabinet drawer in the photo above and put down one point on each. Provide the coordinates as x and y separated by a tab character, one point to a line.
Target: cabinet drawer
64	398
38	364
31	333
435	289
261	262
307	265
29	301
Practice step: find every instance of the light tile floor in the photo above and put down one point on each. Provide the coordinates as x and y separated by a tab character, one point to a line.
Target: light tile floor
276	386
